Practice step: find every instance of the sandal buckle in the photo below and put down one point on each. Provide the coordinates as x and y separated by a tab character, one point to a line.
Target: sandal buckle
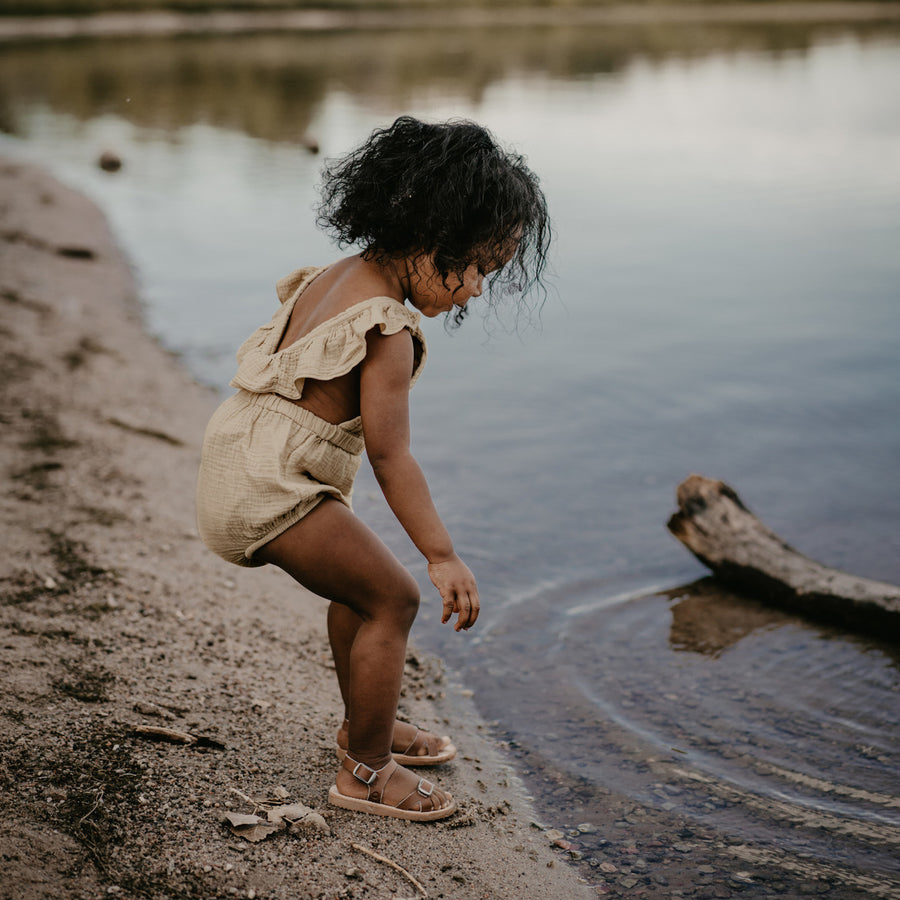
422	790
366	781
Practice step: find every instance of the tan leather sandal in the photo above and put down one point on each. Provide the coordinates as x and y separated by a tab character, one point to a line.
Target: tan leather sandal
387	796
425	749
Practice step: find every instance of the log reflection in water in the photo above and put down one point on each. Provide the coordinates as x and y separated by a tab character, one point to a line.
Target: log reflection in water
708	618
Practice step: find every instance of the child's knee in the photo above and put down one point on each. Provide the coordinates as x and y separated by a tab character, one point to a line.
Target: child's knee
395	600
408	598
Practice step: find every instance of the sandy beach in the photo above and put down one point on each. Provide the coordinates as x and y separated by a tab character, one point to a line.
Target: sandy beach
115	618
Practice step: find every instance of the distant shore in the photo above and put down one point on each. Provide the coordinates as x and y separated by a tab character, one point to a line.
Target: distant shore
59	19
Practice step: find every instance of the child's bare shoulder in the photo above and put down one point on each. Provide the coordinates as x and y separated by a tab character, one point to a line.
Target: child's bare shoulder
338	288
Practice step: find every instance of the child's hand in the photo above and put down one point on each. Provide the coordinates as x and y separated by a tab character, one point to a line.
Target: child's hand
458	590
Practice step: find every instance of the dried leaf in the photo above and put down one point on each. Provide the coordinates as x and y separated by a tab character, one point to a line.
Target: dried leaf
251	828
314	821
242	819
290	813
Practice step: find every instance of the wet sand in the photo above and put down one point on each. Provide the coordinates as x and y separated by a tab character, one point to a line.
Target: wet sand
114	616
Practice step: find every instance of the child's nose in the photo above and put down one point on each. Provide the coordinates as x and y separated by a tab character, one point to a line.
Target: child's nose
476	289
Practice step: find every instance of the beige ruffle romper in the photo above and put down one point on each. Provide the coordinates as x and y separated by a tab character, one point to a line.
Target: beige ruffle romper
267	462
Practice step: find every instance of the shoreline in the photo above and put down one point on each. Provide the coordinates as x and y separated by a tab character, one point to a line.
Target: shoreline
162	23
115	616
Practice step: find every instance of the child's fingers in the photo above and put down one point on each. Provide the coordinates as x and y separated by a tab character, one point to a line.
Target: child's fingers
469	607
449	606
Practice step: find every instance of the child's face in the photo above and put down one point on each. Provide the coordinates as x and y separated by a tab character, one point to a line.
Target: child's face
433	294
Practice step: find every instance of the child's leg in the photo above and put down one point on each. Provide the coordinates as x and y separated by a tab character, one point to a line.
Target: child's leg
343	624
335	555
411	745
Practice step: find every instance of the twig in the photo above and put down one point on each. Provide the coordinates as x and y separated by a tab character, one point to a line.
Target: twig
156	733
92	810
243	796
392	864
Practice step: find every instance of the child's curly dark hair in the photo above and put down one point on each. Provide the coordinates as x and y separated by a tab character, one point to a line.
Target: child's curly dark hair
447	190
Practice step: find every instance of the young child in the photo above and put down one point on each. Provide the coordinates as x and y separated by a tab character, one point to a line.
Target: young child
439	210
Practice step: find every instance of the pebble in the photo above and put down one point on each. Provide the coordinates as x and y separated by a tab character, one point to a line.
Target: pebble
742	878
563	844
109	161
588	828
706	870
629	881
682	847
554	834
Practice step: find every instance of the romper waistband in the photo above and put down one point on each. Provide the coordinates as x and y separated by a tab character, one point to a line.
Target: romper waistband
348	435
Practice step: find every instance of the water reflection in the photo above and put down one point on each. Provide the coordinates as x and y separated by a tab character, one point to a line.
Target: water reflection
270	86
707	618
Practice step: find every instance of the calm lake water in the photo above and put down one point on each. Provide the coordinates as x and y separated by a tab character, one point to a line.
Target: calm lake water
726	300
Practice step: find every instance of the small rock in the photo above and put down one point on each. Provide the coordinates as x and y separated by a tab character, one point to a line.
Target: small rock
109	161
628	882
683	847
563	844
588	828
554	834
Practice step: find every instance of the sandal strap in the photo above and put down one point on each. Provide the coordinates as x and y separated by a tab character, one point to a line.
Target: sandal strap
412	743
368	776
425	792
360	771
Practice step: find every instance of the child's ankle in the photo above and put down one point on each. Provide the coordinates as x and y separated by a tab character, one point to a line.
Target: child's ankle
375	763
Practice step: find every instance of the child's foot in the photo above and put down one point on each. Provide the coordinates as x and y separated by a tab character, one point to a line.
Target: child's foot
389	791
411	745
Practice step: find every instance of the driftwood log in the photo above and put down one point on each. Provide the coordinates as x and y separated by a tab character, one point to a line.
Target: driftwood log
724	535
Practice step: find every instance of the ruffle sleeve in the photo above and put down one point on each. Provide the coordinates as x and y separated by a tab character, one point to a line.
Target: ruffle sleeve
328	351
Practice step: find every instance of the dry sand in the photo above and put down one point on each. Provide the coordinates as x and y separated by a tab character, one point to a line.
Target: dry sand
113	615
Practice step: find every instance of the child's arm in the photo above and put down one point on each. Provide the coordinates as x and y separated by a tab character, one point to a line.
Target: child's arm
384	403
